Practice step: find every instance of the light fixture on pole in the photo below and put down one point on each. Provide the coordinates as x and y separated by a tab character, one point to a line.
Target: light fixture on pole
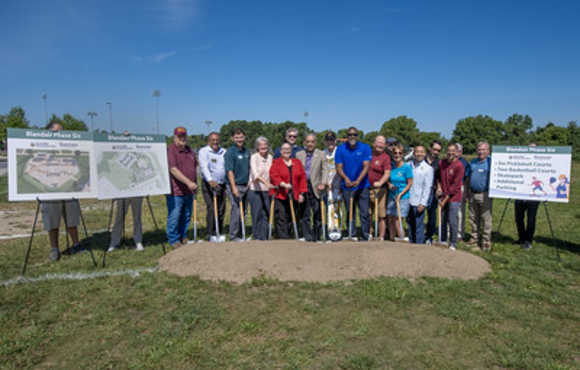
156	94
110	104
45	108
208	122
92	114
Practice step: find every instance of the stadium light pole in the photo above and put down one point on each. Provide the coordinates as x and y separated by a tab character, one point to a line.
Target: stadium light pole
156	94
45	108
92	114
110	104
208	122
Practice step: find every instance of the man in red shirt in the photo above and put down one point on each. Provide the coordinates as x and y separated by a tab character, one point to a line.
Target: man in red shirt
379	173
449	181
183	175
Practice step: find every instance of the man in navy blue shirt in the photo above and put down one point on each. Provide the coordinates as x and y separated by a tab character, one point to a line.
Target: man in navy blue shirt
290	138
461	214
480	204
353	160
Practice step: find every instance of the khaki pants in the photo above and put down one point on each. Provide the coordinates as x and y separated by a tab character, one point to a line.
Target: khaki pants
480	210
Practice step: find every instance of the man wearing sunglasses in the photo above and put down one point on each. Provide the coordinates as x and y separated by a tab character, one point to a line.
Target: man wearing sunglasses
290	138
353	160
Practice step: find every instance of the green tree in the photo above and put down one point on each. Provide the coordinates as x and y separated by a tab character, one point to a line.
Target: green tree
69	122
426	138
516	129
574	139
403	129
469	131
551	135
16	118
369	137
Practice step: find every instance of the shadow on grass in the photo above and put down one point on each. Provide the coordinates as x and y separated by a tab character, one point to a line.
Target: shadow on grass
562	244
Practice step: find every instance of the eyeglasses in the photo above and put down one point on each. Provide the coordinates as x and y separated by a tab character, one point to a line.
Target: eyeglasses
397	153
355	135
392	144
293	136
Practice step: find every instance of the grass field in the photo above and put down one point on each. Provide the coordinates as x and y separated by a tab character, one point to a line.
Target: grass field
523	315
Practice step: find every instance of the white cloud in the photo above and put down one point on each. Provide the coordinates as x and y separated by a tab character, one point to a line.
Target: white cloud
174	15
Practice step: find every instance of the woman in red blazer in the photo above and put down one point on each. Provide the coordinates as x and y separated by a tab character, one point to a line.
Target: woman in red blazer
289	176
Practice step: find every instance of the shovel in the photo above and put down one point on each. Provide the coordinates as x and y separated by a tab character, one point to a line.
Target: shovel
376	214
291	196
242	219
401	239
322	217
350	214
195	221
217	238
271	220
439	222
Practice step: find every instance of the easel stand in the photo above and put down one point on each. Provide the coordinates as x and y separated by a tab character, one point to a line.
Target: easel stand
110	232
549	223
63	205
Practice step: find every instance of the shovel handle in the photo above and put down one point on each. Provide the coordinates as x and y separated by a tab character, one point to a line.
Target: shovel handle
195	210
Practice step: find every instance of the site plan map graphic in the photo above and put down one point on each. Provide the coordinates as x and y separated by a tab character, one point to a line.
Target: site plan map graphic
131	165
49	165
52	171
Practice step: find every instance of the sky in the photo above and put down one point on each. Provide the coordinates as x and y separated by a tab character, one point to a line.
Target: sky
344	62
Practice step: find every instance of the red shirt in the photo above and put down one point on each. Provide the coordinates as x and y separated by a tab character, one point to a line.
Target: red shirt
450	177
185	161
279	172
379	164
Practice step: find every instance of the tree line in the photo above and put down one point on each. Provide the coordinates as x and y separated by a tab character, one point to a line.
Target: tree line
517	129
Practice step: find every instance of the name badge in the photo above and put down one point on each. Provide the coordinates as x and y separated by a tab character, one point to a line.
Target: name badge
213	160
240	157
481	170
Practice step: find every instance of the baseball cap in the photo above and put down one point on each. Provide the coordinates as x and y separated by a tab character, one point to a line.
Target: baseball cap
391	140
330	136
180	131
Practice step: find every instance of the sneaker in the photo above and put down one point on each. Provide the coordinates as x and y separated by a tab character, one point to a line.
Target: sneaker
237	240
176	245
472	243
486	246
139	247
443	243
517	243
429	242
453	247
185	241
527	245
54	255
302	239
113	248
78	248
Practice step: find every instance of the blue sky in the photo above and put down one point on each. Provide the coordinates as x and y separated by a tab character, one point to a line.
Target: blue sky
345	62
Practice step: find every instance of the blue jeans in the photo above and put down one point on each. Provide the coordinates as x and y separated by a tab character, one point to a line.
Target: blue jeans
178	216
415	220
449	218
361	201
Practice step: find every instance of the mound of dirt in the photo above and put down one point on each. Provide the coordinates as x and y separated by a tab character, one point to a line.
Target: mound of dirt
296	261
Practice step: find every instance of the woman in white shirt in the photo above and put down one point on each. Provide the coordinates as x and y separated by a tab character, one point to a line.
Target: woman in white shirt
260	163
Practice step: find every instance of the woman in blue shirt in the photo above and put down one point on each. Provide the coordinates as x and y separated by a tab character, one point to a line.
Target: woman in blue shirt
400	183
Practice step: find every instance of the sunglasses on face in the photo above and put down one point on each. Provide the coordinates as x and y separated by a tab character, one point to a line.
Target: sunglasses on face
397	153
292	136
354	135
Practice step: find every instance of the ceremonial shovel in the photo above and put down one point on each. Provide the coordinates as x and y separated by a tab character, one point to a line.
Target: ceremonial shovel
217	238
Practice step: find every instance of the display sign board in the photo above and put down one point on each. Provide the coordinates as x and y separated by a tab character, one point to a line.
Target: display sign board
531	172
50	165
131	165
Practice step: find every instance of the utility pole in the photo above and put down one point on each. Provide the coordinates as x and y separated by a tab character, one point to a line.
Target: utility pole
110	104
208	122
92	114
156	94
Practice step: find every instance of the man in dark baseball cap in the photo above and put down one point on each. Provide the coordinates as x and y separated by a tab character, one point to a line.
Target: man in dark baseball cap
180	131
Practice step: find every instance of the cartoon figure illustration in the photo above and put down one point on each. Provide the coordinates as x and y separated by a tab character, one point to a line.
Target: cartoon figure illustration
537	184
563	188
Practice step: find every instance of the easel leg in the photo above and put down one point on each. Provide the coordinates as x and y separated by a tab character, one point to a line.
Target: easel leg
552	231
155	222
499	226
109	231
31	237
86	233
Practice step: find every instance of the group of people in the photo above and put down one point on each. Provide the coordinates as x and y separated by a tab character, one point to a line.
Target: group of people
296	184
291	185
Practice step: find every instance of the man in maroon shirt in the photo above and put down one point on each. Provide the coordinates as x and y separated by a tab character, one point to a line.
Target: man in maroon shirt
379	173
183	174
449	181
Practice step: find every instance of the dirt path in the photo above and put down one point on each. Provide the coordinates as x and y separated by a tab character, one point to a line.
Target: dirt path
295	261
